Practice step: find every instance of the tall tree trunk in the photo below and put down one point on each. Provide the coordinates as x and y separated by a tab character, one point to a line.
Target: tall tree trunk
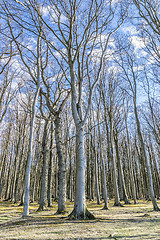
70	190
4	159
29	162
130	159
88	167
43	193
8	175
20	160
105	193
115	183
104	184
35	175
50	168
151	190
92	165
56	179
61	169
155	170
80	210
143	177
23	173
121	171
97	179
17	152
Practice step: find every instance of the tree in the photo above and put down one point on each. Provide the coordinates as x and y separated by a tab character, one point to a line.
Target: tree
43	191
149	11
77	38
131	74
81	33
7	75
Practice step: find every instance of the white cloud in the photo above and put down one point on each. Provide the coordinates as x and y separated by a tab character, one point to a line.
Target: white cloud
137	42
130	29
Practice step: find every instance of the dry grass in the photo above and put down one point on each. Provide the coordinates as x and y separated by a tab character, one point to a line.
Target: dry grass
129	222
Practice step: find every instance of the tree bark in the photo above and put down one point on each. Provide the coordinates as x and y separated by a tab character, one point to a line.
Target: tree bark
43	193
61	169
80	210
151	190
50	168
121	171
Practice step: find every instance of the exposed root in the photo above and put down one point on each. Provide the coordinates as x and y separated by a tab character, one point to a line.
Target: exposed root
60	212
105	207
41	208
86	215
156	208
118	205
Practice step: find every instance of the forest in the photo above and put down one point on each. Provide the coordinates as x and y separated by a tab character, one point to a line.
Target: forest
79	114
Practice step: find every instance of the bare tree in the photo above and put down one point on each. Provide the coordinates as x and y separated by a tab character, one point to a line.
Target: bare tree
81	33
131	74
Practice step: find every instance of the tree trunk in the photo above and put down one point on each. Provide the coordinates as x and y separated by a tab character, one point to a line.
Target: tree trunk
125	197
115	183
130	159
50	168
151	190
104	184
96	178
29	162
20	163
70	189
105	193
56	179
4	157
80	210
8	175
88	183
61	169
43	193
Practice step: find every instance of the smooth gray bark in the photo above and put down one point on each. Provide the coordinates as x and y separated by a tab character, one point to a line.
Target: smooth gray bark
29	162
97	179
130	158
119	161
50	167
44	178
8	175
61	167
151	190
116	192
104	183
20	159
80	210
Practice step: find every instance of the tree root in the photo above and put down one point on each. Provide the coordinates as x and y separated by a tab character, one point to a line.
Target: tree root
60	212
105	207
156	208
86	215
118	205
41	208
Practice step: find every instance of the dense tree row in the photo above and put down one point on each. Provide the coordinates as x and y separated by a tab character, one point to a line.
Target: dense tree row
79	105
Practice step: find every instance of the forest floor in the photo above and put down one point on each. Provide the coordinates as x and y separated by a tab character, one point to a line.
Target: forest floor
129	222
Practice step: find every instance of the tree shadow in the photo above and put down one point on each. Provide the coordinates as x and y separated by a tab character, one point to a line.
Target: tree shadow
65	220
96	238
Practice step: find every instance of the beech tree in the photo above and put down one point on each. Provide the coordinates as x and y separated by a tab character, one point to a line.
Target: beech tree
131	75
65	48
75	37
7	75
